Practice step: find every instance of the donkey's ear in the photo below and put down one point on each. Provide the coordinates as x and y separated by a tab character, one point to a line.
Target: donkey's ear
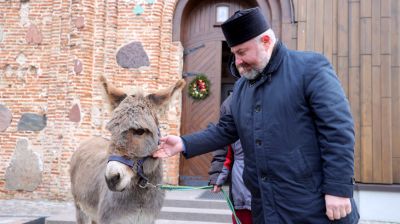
164	96
114	94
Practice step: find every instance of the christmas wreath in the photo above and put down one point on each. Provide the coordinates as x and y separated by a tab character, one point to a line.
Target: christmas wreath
199	87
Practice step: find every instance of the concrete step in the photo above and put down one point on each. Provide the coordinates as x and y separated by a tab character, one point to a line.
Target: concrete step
180	207
177	212
20	220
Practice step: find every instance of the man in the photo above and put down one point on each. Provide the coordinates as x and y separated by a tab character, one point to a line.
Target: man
295	125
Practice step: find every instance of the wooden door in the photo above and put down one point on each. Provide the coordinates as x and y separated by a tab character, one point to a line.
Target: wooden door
197	114
202	40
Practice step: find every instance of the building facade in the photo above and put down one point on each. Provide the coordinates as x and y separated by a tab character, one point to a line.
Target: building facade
53	52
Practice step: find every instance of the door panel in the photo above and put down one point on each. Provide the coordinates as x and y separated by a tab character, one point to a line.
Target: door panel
197	114
199	28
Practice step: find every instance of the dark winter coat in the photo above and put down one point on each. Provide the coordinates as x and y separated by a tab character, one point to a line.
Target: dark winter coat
219	155
228	164
297	133
233	168
217	163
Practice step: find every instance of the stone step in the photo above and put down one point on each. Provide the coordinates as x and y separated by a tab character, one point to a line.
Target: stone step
210	204
21	220
180	207
177	212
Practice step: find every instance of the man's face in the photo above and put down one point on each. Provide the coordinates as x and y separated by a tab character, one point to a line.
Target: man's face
251	57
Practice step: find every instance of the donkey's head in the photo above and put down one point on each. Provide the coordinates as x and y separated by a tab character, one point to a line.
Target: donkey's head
134	130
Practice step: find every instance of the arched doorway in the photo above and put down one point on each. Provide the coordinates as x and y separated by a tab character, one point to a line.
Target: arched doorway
205	52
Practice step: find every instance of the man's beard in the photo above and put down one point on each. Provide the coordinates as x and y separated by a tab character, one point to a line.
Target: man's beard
253	72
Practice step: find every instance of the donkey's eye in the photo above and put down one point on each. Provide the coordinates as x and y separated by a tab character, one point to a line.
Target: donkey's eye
139	131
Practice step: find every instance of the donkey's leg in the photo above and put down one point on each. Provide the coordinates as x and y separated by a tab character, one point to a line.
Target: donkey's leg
81	217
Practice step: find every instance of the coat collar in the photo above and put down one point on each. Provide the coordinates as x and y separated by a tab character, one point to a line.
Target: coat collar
277	56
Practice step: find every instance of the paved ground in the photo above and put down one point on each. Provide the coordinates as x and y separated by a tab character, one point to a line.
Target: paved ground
180	207
183	207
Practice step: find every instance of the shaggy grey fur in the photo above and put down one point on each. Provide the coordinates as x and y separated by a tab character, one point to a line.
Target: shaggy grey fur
134	135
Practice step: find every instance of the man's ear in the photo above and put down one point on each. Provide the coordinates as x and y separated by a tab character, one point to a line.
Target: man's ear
265	39
164	96
114	94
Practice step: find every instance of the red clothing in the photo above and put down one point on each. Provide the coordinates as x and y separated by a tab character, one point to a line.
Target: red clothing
229	158
243	215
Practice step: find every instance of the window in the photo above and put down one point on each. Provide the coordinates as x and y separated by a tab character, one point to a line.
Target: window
222	13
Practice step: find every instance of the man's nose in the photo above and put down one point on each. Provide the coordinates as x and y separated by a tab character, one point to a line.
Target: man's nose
238	61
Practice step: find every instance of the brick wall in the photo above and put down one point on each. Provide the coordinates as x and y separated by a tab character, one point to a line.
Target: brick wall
51	55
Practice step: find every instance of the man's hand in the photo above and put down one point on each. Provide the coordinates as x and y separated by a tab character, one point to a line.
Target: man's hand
337	207
169	146
216	189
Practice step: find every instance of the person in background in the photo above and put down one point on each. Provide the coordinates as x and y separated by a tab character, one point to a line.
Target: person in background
293	119
228	162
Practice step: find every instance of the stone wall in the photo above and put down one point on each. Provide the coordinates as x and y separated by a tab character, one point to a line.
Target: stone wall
51	55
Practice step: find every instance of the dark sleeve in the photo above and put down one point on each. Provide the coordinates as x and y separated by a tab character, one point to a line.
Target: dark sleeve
217	163
219	155
335	127
212	138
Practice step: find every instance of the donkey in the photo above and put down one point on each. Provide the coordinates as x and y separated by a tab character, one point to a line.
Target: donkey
115	181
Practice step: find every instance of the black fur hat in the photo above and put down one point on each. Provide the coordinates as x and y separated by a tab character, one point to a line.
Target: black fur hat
244	25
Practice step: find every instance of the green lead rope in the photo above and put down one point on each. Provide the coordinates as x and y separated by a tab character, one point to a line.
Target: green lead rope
183	188
230	206
186	188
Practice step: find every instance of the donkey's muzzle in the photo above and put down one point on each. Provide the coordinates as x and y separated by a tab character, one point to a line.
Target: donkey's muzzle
113	182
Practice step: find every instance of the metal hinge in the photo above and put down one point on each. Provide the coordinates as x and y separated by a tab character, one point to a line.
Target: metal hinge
189	74
191	50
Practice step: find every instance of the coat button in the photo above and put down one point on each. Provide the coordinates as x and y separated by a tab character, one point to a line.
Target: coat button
258	108
258	142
